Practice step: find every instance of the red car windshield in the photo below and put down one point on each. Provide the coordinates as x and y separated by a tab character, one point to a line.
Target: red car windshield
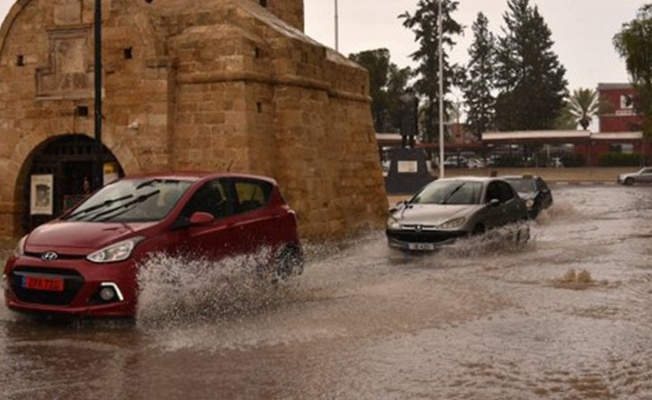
131	200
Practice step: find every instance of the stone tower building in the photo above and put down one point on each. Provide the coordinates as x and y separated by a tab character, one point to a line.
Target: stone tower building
187	85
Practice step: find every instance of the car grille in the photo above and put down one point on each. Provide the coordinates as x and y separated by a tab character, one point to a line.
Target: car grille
424	236
60	256
73	282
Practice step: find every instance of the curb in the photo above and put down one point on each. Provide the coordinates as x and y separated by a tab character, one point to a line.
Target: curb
582	183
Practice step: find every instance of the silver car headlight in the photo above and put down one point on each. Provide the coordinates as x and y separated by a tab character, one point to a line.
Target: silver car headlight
116	252
19	250
529	203
392	223
453	223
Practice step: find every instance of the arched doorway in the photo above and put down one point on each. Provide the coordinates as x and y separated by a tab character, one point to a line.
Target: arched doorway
65	163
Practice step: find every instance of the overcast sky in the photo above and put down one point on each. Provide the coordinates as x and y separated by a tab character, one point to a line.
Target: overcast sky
581	29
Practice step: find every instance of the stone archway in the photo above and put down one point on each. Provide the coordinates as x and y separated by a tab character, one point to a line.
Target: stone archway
68	160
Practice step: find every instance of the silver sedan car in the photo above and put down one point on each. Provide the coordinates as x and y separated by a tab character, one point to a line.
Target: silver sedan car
643	175
451	208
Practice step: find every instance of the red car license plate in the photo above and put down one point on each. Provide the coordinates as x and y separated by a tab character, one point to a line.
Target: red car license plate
49	284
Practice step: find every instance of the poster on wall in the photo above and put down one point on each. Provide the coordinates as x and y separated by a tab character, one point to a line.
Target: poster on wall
41	195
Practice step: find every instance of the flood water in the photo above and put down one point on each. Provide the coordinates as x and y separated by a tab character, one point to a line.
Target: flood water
566	316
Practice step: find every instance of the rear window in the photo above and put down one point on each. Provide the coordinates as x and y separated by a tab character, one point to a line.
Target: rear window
522	184
251	194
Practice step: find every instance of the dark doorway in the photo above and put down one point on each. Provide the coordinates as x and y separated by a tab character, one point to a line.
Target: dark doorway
69	160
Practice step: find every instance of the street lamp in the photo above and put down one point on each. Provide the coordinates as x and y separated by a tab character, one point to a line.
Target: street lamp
337	39
97	146
441	92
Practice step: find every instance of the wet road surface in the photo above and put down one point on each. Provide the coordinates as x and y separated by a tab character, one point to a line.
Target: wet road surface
566	316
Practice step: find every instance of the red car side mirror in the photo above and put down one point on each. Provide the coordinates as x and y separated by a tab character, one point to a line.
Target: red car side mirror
201	218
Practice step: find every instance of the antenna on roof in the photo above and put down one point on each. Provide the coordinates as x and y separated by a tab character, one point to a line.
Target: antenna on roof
228	169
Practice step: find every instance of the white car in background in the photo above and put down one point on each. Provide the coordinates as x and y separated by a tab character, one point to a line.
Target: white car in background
643	175
474	163
456	162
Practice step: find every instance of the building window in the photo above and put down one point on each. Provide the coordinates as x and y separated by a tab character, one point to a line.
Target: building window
624	148
81	111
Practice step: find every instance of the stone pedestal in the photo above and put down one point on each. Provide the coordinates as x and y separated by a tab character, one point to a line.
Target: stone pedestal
408	171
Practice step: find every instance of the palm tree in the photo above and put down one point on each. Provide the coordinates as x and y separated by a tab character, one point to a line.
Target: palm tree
583	106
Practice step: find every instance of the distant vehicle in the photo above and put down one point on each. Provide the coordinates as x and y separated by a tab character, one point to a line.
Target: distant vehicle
533	190
456	162
452	208
643	175
85	262
474	163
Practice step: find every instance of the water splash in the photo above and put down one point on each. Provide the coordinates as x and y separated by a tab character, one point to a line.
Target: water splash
179	290
513	238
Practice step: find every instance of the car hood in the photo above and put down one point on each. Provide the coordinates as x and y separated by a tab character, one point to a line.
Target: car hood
433	213
73	237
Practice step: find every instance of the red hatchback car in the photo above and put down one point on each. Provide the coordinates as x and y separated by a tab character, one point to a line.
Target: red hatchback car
85	262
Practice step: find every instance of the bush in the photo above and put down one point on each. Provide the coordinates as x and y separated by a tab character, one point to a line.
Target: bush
619	160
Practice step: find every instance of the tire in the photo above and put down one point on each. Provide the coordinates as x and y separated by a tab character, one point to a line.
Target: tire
536	211
289	261
629	181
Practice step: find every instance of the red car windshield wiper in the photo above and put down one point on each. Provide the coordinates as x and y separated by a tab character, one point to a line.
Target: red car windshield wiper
123	208
103	204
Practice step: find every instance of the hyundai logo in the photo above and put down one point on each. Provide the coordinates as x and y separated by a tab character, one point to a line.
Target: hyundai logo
418	228
49	256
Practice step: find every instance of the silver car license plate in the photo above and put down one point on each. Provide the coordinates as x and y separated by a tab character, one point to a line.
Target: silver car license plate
421	246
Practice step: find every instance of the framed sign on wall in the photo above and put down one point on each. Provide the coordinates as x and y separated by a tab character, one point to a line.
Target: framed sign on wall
41	195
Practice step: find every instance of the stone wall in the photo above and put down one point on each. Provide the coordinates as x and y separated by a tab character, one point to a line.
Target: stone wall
215	85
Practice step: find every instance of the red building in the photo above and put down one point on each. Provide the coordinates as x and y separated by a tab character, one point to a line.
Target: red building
620	126
618	114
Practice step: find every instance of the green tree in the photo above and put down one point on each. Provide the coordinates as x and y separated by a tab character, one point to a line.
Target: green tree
583	106
377	64
386	83
425	25
396	86
634	44
480	79
530	80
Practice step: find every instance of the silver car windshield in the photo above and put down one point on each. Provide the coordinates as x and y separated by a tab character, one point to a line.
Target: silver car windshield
131	200
449	192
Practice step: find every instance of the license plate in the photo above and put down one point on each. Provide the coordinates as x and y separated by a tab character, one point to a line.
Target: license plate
421	246
48	284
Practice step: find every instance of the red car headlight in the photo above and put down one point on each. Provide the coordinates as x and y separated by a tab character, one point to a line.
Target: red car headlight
115	252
